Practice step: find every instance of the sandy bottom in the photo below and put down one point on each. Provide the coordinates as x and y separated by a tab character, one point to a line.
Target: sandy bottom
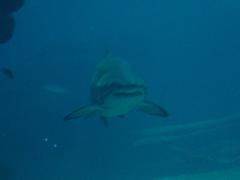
232	174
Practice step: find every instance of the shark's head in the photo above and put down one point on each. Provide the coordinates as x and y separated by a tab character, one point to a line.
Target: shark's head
115	78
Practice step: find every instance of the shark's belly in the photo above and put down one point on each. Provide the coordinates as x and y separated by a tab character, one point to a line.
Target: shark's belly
120	106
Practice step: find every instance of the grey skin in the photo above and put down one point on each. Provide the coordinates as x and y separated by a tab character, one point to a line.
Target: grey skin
115	91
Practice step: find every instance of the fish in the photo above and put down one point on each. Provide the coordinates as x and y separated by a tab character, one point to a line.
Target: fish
115	91
56	89
8	72
10	6
7	24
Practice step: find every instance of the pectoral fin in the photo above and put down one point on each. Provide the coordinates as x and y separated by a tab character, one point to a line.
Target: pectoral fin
83	112
152	108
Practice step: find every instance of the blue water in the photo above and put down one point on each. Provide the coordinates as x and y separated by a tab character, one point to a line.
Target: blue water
188	52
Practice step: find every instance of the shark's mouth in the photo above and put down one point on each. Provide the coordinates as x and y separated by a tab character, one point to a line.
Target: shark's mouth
121	91
128	94
129	91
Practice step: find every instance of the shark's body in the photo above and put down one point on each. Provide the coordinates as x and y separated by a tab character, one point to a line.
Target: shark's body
115	91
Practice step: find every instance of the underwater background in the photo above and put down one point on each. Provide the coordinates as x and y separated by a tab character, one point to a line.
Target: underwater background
188	53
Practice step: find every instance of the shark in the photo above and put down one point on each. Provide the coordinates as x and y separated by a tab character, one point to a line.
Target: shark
115	91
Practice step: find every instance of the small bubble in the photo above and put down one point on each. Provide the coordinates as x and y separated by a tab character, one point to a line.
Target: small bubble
45	139
55	145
